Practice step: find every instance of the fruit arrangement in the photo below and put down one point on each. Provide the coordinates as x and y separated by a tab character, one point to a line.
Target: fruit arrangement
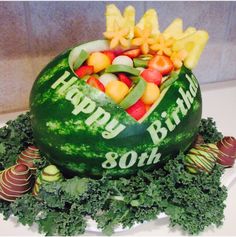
140	58
119	105
115	132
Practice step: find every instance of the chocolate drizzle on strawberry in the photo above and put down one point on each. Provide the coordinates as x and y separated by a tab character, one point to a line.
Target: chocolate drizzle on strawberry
28	156
227	148
14	182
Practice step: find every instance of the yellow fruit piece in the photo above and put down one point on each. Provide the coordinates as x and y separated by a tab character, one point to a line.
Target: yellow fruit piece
143	39
118	36
187	32
129	16
150	19
163	45
177	57
99	61
117	90
174	30
114	16
194	45
151	94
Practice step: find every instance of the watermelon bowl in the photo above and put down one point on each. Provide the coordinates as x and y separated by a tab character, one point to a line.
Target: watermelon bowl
82	131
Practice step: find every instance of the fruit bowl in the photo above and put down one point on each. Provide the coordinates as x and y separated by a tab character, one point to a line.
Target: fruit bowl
84	132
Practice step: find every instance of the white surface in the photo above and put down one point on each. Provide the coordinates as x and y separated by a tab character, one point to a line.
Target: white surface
218	102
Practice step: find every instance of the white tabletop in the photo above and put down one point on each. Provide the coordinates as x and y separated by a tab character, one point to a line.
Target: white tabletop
218	102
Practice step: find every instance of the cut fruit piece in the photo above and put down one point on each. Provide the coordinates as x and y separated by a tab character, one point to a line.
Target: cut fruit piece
135	94
107	77
161	63
125	79
114	16
129	16
99	61
150	18
84	70
110	54
94	46
173	77
132	53
122	68
123	60
83	56
151	93
117	90
194	44
152	75
137	110
174	30
187	32
94	82
140	62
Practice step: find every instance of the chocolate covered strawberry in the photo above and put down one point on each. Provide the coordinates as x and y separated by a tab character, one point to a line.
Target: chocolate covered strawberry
201	158
14	182
28	156
227	148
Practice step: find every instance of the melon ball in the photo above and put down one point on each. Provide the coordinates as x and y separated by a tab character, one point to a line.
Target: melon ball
117	90
107	77
123	60
151	93
99	61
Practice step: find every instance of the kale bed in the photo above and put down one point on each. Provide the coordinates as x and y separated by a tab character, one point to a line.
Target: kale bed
192	202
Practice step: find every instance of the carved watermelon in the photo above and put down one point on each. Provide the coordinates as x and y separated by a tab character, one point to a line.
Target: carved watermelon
84	132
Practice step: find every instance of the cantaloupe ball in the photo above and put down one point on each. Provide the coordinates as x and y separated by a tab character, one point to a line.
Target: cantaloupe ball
117	90
151	93
99	61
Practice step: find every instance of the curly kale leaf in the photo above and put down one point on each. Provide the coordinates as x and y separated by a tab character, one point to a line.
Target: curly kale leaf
193	201
5	209
209	131
63	223
27	208
14	138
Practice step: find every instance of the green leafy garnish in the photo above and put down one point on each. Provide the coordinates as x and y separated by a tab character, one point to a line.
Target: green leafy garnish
192	201
209	131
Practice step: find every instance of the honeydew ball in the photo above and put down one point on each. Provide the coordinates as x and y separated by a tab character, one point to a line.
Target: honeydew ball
107	77
151	93
123	60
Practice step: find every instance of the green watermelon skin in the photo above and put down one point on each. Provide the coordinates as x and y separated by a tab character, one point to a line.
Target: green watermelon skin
79	149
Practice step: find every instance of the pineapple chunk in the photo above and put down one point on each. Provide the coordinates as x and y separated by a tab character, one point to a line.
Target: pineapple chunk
129	16
175	29
150	18
187	32
114	16
194	44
